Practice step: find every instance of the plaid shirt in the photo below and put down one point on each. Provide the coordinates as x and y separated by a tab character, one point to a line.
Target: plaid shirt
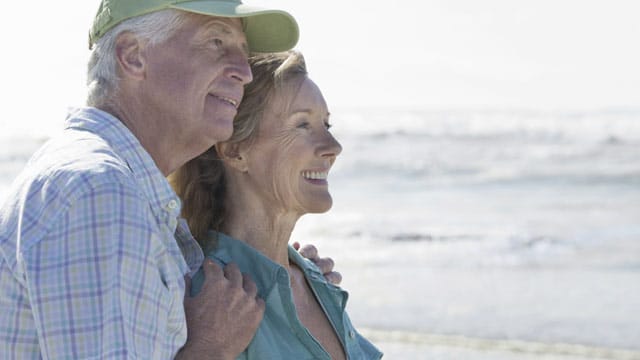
89	264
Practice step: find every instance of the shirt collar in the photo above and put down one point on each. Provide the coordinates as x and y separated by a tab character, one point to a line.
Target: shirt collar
191	250
165	203
264	271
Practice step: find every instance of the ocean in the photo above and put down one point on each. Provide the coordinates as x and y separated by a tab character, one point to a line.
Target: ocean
478	234
464	233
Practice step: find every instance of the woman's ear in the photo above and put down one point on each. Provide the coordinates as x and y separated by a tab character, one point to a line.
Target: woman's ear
233	155
129	55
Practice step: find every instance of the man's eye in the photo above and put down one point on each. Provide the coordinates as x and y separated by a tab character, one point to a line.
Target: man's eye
327	125
217	42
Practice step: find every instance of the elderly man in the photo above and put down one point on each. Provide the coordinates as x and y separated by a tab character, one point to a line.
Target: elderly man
93	257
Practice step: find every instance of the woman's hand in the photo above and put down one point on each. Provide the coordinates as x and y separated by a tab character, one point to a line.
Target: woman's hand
325	264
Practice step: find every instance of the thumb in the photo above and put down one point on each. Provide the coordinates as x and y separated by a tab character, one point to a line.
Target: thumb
296	245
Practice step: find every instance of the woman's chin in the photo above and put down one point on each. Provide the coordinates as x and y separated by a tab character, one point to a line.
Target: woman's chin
319	207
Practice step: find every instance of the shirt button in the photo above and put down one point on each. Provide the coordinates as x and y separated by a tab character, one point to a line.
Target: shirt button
172	205
352	334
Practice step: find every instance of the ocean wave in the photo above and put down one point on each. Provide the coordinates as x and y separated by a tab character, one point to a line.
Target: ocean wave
422	174
596	126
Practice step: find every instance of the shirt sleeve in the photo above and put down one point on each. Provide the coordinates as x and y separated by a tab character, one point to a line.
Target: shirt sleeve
96	284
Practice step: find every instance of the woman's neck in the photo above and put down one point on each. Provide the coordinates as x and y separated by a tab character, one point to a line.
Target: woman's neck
265	229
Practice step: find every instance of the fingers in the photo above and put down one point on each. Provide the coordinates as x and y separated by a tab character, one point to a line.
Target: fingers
212	274
233	274
249	286
310	252
325	264
211	269
260	305
229	299
333	277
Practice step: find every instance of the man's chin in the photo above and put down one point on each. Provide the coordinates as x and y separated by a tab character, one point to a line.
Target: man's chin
221	129
225	134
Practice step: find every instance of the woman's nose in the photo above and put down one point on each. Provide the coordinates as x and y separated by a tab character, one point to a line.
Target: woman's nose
330	146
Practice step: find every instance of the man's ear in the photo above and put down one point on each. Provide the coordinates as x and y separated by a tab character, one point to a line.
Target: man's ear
234	155
130	56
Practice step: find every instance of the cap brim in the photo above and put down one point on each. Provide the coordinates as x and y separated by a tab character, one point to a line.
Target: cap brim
267	30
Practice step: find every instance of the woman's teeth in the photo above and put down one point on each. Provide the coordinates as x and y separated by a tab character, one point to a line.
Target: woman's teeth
315	175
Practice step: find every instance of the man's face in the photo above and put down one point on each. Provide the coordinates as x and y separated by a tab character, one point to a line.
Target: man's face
195	80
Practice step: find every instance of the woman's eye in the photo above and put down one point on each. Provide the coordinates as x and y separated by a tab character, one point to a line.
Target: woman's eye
303	125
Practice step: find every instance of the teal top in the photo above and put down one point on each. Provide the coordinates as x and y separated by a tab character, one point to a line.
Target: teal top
281	335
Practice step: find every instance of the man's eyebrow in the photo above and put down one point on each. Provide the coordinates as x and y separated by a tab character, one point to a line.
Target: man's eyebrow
224	28
218	25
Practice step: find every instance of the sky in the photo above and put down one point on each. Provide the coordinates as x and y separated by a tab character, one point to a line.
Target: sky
411	54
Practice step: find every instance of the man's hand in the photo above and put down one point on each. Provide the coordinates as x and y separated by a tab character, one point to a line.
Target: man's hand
224	316
325	264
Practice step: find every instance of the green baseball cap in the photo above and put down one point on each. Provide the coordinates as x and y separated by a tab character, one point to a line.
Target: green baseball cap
267	30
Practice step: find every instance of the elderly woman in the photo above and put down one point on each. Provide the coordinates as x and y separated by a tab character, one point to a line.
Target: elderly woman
243	198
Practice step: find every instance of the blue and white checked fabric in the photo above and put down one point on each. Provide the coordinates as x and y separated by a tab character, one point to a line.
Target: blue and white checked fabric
89	265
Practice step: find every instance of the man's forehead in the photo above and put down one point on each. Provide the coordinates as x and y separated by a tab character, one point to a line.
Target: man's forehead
226	25
231	27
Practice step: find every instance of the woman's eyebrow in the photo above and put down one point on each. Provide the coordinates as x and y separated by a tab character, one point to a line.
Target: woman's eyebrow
307	111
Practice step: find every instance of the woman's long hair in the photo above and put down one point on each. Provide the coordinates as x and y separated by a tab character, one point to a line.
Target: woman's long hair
200	183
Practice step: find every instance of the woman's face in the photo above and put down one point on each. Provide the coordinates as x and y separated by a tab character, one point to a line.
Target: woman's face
290	159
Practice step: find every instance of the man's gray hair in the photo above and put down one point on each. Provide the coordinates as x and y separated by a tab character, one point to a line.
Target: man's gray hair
102	75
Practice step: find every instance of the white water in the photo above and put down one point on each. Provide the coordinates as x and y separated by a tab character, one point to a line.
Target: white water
497	225
478	234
